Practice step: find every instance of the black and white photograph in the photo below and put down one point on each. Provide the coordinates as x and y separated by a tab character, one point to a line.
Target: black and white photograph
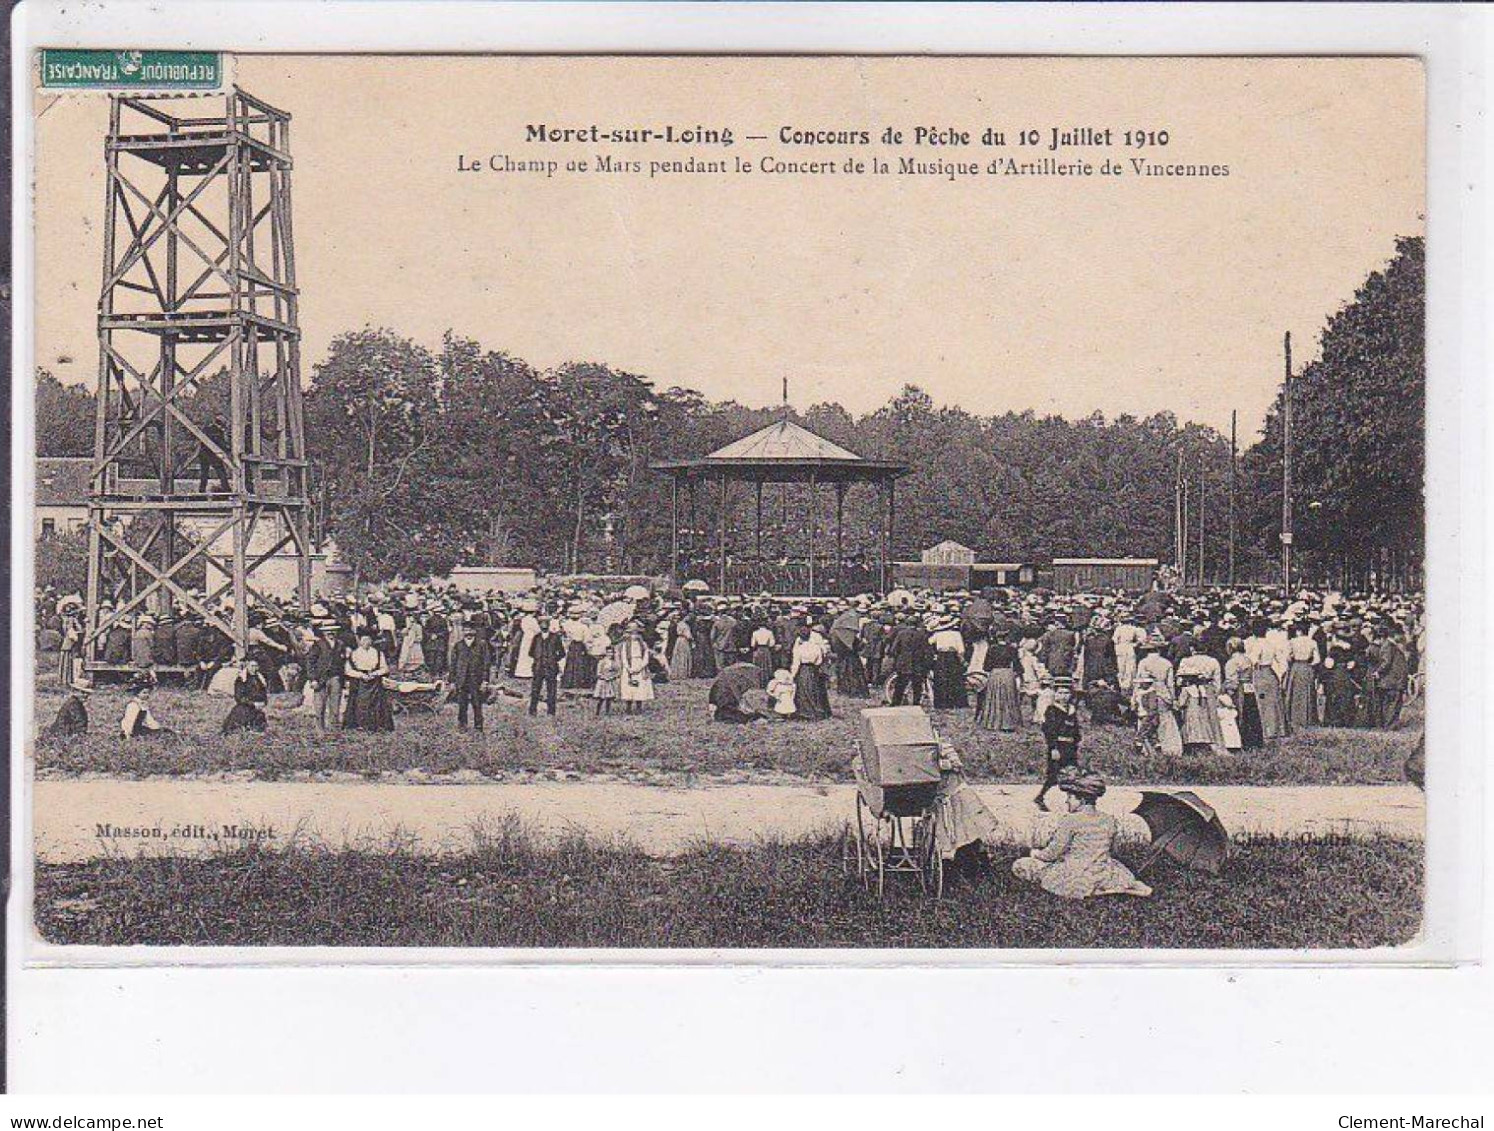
664	503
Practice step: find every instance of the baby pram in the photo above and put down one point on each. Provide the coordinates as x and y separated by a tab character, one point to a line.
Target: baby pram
897	782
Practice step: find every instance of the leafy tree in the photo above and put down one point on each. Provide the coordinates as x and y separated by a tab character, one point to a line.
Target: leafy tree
1358	439
62	562
373	430
64	417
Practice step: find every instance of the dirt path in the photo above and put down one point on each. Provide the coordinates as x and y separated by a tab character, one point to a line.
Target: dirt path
191	815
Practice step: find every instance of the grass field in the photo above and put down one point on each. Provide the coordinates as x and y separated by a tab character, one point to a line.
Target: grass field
515	891
674	739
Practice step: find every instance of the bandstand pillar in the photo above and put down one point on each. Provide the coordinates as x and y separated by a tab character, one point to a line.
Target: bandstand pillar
812	494
840	550
721	532
674	529
759	522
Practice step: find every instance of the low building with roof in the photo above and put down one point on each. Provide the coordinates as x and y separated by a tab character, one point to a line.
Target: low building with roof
61	495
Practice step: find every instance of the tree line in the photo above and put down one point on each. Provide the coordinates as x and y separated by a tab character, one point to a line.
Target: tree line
465	454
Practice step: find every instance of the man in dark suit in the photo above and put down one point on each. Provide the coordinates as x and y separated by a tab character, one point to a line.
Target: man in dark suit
469	675
545	650
325	664
1057	648
910	655
1387	680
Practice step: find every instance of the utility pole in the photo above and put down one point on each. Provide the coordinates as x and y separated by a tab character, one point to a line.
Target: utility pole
1233	415
1177	520
1183	524
1200	521
1286	471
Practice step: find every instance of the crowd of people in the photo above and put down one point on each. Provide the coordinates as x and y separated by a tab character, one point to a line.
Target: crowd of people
1208	672
1221	670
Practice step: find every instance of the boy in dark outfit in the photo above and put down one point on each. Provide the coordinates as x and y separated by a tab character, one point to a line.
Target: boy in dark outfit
1060	737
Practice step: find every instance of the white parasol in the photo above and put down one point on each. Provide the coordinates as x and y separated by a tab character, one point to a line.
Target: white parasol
619	612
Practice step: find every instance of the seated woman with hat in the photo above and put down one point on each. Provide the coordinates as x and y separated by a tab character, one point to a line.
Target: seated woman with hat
1074	860
249	700
72	716
138	722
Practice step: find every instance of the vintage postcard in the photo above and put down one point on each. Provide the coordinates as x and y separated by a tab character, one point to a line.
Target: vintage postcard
714	503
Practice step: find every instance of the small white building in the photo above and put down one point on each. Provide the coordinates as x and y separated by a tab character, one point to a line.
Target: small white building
948	553
493	579
61	495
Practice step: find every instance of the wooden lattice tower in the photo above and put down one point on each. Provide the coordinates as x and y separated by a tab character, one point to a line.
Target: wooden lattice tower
199	287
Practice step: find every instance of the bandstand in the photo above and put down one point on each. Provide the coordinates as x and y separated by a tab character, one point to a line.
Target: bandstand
783	453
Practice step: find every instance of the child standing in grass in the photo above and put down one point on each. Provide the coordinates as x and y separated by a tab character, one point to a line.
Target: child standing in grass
1060	736
609	680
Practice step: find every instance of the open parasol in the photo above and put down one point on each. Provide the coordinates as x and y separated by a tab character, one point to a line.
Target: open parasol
619	612
695	586
1184	827
636	593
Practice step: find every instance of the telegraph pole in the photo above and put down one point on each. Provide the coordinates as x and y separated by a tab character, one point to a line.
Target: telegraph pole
1178	550
1233	415
1286	471
1183	522
1200	521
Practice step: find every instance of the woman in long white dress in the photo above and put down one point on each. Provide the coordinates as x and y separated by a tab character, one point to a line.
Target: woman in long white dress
1032	675
412	646
1128	637
635	683
529	628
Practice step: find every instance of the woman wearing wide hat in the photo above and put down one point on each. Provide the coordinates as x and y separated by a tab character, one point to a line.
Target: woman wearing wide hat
1072	858
249	699
811	683
138	721
635	680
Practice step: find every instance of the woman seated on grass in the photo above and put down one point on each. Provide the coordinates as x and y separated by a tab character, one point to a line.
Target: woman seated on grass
964	829
249	699
138	722
72	716
781	694
1073	860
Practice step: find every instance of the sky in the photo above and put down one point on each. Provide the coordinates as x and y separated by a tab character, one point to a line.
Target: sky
1069	296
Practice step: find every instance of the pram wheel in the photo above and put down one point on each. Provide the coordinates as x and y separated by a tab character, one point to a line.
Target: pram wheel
853	852
869	859
931	861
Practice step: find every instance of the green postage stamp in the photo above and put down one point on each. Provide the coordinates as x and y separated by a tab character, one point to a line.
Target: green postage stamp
156	70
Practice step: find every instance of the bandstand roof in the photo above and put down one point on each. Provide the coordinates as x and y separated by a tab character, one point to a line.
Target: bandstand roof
783	452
